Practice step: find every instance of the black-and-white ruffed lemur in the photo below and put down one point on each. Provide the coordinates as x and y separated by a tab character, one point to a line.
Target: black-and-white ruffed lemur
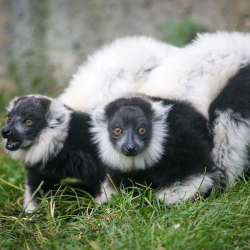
196	73
54	143
163	143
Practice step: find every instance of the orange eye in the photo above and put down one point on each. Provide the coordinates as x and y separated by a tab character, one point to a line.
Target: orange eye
117	131
9	119
28	122
142	131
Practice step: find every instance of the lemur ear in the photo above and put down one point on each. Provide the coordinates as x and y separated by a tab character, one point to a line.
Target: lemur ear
98	116
57	114
160	111
11	105
98	126
60	118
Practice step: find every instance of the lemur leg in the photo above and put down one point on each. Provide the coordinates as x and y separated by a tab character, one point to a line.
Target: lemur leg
33	181
183	190
106	191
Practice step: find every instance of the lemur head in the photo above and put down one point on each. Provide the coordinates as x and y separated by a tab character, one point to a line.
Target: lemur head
129	125
36	127
130	132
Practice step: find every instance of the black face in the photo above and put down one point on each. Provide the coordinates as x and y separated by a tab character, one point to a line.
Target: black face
25	122
130	129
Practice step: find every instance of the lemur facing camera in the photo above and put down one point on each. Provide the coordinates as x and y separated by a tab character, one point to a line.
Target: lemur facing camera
54	143
166	144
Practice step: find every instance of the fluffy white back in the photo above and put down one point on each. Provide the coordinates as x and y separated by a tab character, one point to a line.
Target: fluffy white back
199	71
148	157
51	140
117	68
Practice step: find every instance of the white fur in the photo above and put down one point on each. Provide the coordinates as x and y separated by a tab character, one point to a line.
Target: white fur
199	71
181	191
148	157
29	204
115	69
230	140
51	140
11	105
106	192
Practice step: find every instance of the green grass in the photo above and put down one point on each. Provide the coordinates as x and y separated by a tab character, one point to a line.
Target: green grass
220	222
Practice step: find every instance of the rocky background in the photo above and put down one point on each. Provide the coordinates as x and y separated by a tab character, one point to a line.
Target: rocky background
43	41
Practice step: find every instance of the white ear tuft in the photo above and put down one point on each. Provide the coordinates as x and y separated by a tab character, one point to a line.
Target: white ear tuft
58	114
98	116
11	105
160	110
98	124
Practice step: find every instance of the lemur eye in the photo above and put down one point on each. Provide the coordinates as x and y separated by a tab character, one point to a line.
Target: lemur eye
117	131
9	119
28	122
142	131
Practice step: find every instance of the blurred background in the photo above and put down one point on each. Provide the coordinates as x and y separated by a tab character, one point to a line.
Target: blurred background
43	41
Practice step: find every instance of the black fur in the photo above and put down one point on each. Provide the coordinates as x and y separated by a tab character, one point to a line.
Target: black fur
77	158
187	147
126	115
235	96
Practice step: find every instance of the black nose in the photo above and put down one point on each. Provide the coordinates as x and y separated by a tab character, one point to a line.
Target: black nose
130	148
5	132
